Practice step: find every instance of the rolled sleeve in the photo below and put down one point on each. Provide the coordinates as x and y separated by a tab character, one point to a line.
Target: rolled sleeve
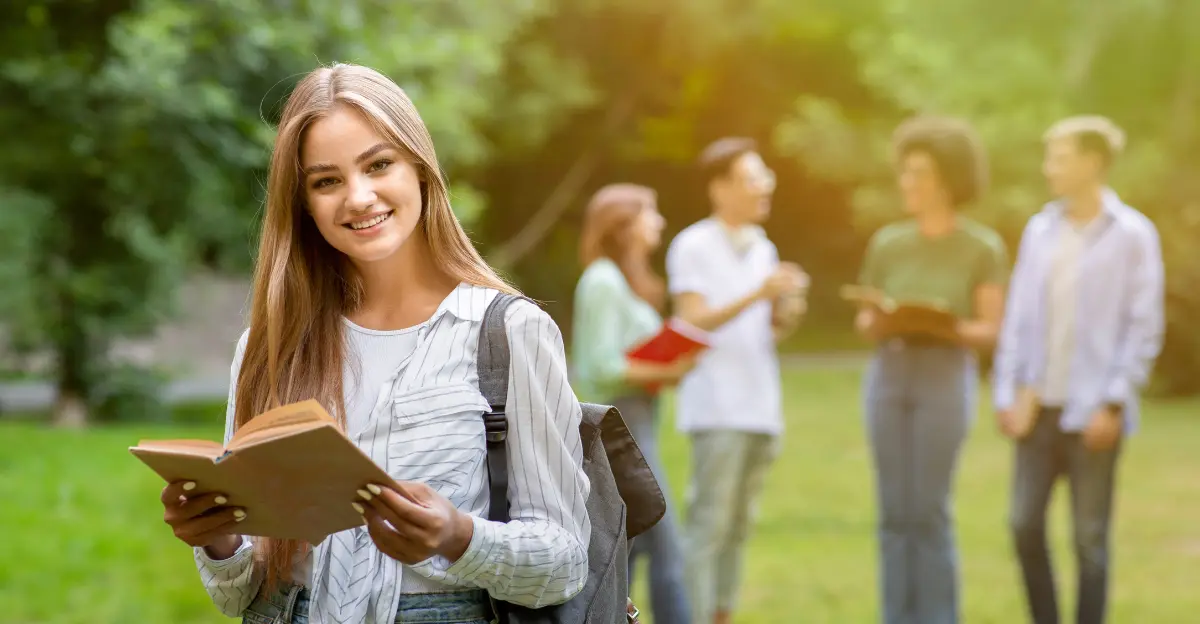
1143	331
1006	364
231	583
539	557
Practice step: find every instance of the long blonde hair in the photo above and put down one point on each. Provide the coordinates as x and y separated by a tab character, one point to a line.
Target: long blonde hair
303	286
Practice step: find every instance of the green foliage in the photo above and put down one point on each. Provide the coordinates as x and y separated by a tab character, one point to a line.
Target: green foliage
145	130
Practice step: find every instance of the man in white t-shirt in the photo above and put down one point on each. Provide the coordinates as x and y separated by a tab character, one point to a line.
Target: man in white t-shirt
725	277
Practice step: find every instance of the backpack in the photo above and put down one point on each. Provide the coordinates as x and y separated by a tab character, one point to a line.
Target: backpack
625	498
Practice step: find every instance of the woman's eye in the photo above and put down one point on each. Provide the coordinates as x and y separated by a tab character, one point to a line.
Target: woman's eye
323	182
379	165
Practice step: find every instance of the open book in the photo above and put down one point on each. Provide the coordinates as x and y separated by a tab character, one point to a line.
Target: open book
290	468
927	318
677	339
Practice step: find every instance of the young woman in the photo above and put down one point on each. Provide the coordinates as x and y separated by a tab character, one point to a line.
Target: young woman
920	391
617	304
368	296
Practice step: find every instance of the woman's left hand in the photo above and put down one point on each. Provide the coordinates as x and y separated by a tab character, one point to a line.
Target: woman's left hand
415	524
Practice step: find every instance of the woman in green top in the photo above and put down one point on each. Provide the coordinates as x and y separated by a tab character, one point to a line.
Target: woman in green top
920	391
617	305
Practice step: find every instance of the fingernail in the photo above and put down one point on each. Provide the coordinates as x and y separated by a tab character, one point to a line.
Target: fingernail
220	500
239	514
240	518
189	486
374	489
364	495
357	507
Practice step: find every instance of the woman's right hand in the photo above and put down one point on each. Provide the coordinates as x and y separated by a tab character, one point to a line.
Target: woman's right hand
202	520
674	372
872	324
643	373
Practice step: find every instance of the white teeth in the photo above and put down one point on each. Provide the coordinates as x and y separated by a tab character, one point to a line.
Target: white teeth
362	225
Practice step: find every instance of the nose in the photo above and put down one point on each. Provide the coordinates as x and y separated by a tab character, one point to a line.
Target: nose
361	194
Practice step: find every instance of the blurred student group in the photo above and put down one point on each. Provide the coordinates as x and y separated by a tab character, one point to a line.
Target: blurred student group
1074	318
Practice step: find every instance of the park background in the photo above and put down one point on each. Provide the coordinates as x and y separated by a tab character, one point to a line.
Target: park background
136	136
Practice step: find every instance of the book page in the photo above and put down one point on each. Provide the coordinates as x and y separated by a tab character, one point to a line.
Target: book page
281	421
199	448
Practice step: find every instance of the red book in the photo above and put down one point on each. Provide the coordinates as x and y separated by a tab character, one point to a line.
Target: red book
677	339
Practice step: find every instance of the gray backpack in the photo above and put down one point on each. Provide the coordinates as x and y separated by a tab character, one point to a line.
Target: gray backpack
625	498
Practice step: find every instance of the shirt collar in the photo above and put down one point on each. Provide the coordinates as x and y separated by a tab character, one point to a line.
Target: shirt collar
1110	204
467	302
743	237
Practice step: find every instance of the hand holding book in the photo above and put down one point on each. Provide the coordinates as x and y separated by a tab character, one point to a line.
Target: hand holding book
891	318
289	472
671	353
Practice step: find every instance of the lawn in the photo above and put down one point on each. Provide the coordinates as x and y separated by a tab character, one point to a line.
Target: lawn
84	542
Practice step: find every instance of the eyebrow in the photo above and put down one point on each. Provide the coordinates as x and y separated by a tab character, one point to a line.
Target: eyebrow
321	168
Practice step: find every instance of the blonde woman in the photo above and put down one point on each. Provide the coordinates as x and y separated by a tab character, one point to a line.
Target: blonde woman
369	297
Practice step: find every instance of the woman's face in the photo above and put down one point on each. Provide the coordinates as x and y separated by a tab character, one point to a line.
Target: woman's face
647	227
362	193
920	185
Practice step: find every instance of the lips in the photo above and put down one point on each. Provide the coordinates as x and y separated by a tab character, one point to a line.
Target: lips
368	223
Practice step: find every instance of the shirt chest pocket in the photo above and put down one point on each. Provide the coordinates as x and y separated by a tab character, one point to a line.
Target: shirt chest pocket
437	438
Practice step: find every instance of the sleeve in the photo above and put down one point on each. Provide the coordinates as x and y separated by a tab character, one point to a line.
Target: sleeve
992	267
1007	357
231	583
1142	334
598	311
539	557
871	272
686	267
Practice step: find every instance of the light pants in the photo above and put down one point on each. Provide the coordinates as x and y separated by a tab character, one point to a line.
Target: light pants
728	470
919	404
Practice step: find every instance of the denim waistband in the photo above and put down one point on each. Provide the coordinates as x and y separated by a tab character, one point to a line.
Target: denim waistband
423	608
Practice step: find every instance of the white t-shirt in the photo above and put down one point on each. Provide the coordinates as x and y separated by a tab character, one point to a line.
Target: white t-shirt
735	384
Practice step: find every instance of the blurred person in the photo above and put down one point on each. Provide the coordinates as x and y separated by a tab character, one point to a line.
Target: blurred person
618	302
920	391
1082	331
726	278
369	297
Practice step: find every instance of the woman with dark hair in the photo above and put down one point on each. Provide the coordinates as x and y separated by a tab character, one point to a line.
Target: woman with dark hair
920	390
617	304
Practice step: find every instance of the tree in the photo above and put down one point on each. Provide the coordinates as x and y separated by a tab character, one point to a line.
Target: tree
144	131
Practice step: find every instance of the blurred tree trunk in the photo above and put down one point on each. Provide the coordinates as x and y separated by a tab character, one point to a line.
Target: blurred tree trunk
71	406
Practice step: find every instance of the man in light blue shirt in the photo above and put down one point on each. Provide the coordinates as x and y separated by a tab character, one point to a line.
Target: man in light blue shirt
1082	329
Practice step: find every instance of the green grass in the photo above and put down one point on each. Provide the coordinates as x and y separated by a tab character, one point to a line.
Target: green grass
83	541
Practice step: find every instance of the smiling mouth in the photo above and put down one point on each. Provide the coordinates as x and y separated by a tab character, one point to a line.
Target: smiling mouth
369	223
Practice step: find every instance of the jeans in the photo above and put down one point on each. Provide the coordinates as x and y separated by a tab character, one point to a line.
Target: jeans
661	544
729	468
288	604
920	401
1045	454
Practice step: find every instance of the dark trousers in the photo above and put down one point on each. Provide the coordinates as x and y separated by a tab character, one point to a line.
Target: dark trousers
919	403
1044	455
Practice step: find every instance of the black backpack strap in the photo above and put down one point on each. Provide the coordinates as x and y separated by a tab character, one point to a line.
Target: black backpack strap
493	363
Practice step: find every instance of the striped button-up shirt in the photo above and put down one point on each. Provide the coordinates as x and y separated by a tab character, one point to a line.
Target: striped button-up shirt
427	426
1118	312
